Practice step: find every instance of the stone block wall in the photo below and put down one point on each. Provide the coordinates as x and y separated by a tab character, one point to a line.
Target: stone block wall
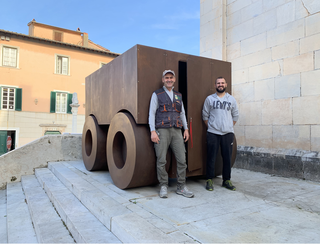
36	154
274	48
281	162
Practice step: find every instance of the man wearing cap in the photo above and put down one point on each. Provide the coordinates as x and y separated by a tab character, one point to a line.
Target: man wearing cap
166	118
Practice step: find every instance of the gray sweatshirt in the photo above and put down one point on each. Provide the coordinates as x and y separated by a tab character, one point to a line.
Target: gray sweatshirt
220	113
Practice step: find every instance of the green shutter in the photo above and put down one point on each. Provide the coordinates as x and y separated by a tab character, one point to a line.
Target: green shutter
69	102
18	99
0	97
53	102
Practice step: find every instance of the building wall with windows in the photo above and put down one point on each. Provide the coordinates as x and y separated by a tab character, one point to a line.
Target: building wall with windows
274	48
38	76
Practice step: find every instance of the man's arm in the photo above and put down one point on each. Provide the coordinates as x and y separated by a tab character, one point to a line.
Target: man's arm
152	118
206	122
206	111
184	123
235	112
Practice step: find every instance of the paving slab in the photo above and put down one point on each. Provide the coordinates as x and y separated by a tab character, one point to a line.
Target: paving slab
289	191
3	217
263	225
19	224
128	228
82	224
48	225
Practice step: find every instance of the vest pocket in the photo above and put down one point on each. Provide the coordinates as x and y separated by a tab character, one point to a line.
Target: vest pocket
163	108
178	106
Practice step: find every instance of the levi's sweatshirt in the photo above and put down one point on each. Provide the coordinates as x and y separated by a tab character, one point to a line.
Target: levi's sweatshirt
220	113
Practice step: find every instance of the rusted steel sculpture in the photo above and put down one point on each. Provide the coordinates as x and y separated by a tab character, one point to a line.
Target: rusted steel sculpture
116	134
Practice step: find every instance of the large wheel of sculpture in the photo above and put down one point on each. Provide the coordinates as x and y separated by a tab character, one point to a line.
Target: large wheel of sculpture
218	165
130	153
94	145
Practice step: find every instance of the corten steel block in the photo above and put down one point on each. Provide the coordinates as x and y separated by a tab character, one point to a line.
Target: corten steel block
127	83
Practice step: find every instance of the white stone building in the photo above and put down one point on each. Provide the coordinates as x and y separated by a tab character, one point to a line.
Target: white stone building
274	48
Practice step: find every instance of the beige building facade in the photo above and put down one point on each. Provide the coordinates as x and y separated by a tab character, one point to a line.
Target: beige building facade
274	48
39	73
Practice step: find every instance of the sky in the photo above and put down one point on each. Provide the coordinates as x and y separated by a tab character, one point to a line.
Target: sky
116	25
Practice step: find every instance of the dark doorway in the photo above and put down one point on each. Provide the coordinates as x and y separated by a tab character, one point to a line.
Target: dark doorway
3	140
183	88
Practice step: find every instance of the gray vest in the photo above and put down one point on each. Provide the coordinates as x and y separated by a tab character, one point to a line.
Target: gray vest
168	113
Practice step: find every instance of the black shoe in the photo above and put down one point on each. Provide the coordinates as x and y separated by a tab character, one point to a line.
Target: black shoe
209	185
227	184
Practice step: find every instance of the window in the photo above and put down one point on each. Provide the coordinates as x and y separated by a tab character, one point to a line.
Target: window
8	98
9	56
11	98
57	36
49	132
60	102
62	65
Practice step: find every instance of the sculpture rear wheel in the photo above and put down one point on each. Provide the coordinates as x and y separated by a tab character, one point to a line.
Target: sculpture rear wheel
93	145
130	153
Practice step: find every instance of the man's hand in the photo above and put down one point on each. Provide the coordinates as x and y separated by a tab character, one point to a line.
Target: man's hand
186	135
206	122
154	137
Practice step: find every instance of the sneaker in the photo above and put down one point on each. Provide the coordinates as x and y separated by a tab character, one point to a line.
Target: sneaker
164	192
209	185
184	191
227	184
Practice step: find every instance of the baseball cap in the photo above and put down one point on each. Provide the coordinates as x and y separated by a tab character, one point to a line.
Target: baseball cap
168	71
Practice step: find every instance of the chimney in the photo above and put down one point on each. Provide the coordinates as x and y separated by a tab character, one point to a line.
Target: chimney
85	39
31	27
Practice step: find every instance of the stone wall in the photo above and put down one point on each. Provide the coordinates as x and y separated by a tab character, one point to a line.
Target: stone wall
274	48
37	154
281	162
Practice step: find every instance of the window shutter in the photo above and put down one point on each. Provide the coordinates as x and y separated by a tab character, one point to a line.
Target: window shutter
57	36
0	97
65	62
58	65
6	56
68	104
13	57
18	99
52	102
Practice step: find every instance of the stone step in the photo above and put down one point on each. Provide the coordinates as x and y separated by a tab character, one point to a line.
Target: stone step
19	224
48	225
83	225
125	218
90	196
3	217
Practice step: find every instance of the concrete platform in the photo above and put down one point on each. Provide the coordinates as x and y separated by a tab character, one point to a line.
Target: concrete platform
264	209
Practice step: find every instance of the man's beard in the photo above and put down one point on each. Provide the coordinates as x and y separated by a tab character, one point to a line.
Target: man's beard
221	91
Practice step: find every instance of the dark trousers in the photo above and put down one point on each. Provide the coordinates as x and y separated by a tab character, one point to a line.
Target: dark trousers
226	144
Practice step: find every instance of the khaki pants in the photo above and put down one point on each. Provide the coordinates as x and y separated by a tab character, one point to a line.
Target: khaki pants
170	137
